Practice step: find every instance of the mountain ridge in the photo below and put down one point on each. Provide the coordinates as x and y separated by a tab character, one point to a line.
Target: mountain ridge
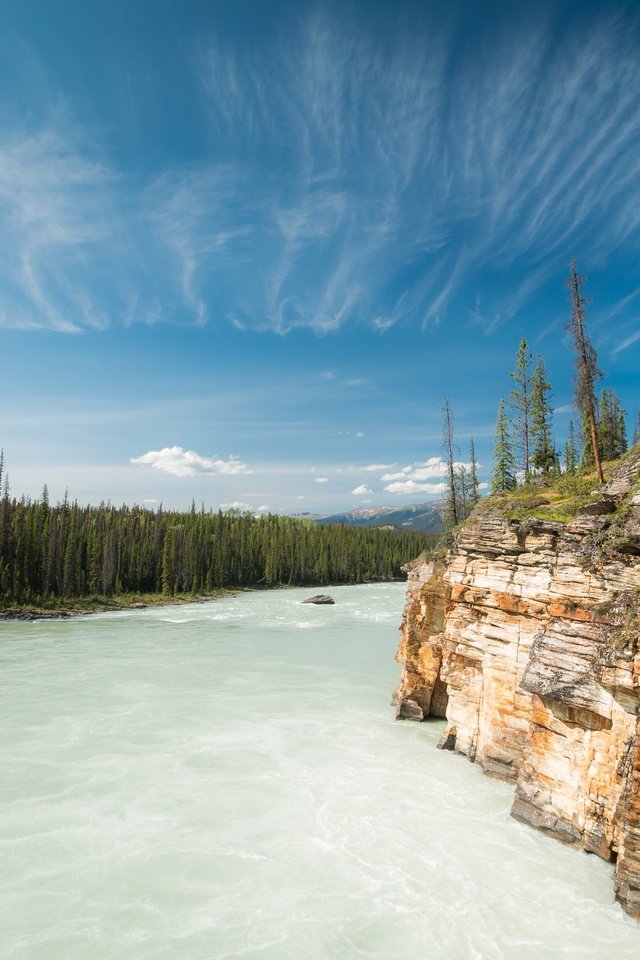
427	517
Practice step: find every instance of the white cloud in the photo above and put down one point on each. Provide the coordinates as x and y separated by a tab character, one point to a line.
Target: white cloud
375	467
321	479
410	486
359	434
188	463
361	490
426	470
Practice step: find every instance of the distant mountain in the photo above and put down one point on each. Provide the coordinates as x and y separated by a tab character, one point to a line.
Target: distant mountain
427	517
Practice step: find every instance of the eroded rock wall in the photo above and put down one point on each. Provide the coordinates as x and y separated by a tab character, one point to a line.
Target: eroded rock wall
526	638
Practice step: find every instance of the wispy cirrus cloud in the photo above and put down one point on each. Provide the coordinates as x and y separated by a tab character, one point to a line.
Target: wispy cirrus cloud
499	164
356	179
54	195
626	343
187	463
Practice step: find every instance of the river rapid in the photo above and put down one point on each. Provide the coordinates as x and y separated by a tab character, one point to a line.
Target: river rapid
226	780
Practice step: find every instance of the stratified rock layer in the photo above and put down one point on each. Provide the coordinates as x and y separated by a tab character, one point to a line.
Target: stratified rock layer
526	638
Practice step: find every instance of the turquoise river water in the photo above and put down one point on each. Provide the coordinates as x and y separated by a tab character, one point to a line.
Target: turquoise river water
226	780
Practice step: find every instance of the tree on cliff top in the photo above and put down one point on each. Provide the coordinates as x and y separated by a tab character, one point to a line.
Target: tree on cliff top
571	451
543	450
453	514
504	464
587	370
520	400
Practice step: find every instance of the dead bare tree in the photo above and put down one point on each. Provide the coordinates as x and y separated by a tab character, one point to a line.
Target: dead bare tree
587	371
447	442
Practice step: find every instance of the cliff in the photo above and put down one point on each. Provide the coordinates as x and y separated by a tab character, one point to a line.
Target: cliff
526	638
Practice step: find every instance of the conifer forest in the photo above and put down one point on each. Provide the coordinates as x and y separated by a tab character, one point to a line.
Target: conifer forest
68	551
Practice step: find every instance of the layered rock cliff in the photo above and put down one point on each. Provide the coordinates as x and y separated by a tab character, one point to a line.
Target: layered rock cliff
526	638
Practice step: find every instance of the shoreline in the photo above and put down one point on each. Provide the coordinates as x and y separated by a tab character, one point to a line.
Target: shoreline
87	606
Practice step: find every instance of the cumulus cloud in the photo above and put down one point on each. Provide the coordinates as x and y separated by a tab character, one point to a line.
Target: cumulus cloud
361	490
410	486
187	463
426	470
376	467
321	479
240	505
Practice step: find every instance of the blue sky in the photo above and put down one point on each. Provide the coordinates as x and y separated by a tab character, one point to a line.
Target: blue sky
247	248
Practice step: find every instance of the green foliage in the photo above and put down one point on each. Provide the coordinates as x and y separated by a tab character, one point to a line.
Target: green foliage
504	468
520	401
611	429
571	451
48	554
543	454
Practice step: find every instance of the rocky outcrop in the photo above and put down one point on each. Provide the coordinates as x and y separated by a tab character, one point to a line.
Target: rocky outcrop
526	638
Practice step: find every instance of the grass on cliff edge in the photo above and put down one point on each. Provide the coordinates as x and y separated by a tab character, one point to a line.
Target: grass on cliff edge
557	498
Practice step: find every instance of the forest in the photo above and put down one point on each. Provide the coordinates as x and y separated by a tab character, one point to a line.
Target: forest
70	551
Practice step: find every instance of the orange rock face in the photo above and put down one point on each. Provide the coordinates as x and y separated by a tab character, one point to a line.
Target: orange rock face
527	640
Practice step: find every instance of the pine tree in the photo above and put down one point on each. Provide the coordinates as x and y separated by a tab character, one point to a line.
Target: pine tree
462	490
474	486
520	403
504	464
587	370
571	451
621	431
453	506
617	427
543	452
612	428
605	432
636	429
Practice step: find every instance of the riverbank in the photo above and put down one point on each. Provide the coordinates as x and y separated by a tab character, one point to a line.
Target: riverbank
58	609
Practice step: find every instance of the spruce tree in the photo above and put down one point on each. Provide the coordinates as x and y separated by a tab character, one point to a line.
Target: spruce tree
571	451
636	429
520	402
504	464
587	370
621	431
543	452
453	515
612	428
474	486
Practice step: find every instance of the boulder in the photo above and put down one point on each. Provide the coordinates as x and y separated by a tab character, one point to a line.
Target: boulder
320	598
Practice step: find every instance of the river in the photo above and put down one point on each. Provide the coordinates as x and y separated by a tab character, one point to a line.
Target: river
226	780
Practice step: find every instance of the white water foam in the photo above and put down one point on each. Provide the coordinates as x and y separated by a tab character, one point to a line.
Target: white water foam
232	785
